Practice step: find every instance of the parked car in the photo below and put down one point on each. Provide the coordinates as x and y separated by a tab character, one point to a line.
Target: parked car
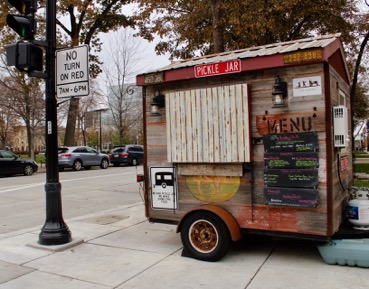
60	150
11	164
79	157
128	154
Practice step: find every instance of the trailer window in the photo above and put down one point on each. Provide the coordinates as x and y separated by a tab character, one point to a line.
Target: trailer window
209	125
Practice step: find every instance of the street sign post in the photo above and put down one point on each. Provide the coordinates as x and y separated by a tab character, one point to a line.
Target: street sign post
72	77
54	231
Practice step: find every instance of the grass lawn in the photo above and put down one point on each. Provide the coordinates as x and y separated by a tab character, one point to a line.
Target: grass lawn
361	168
39	158
361	183
361	155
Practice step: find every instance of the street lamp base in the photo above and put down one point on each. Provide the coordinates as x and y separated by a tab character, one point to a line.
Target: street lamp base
55	231
54	234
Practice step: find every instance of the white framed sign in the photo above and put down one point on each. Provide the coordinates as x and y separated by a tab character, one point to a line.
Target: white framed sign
306	86
72	72
164	194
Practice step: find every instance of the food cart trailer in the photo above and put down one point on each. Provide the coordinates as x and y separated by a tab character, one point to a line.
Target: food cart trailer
253	141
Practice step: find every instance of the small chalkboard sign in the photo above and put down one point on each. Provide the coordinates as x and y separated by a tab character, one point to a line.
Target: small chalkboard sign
291	160
291	142
296	197
291	178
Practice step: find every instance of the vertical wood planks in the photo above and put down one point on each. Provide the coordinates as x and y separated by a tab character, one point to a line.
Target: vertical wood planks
209	125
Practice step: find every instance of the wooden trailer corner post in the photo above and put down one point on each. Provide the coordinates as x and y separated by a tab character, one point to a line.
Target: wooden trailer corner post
257	140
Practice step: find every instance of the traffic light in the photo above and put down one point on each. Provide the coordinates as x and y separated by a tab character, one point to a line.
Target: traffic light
25	54
24	24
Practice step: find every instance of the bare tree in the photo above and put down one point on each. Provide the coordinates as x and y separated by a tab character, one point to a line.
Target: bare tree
123	98
23	96
88	104
8	120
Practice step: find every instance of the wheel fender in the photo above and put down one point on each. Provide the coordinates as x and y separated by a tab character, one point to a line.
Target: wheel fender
223	214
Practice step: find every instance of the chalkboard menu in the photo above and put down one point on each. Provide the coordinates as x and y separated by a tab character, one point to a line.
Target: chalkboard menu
294	178
291	160
291	169
291	197
291	142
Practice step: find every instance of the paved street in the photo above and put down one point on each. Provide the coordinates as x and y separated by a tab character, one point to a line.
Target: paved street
22	199
119	249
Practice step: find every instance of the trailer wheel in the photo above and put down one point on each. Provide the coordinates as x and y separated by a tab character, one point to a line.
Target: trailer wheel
205	236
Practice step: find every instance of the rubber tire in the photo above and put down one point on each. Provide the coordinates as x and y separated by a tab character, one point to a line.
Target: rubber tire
214	227
28	170
77	165
134	162
104	164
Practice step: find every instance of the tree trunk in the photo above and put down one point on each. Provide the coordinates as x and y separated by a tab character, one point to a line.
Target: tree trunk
31	151
357	66
121	137
354	84
84	136
217	26
71	123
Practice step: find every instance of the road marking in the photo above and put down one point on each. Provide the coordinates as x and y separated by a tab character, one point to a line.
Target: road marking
21	187
94	177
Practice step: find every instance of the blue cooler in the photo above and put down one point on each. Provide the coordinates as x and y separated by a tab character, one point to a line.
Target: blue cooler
351	252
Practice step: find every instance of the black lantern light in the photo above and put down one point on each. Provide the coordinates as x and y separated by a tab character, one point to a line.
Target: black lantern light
279	93
158	101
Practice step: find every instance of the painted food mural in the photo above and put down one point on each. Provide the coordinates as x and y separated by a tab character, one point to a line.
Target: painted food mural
213	189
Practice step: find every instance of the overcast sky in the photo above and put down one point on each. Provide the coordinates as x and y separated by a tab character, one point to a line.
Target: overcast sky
149	60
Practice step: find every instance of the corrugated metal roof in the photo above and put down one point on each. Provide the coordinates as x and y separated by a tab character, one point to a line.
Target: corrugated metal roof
270	49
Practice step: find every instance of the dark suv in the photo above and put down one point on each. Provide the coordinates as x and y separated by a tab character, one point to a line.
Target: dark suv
128	154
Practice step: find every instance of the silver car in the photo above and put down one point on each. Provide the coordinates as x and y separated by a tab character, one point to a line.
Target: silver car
81	157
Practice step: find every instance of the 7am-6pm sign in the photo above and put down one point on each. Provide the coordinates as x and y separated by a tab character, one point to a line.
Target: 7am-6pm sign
72	77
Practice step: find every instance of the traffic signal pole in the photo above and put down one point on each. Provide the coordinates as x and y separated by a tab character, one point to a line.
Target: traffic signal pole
55	231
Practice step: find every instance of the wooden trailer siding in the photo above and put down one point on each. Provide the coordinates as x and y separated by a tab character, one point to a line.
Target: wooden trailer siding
249	210
155	134
290	122
311	222
209	125
283	219
260	99
210	169
303	114
339	196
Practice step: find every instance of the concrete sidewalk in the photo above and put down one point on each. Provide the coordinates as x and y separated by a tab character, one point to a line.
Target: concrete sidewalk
120	249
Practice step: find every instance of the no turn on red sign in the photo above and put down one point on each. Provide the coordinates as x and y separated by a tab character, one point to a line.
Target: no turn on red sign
72	77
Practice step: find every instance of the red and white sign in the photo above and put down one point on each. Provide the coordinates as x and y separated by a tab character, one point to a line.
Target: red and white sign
211	69
344	163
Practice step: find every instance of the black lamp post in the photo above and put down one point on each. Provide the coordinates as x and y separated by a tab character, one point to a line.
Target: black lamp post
54	231
100	125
